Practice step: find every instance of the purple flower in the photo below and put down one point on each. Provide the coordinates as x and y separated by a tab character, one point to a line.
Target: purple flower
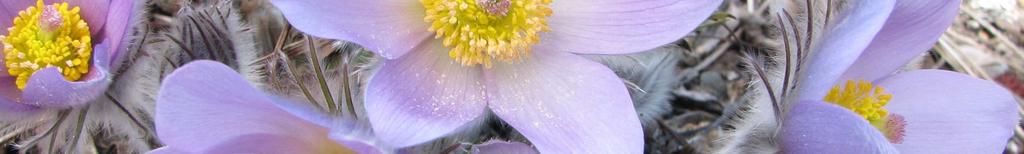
206	107
429	87
850	100
57	54
448	62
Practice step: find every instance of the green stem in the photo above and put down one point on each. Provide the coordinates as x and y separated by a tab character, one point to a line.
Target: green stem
79	128
346	86
60	119
302	86
320	75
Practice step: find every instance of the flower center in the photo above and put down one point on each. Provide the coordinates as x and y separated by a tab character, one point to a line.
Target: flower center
477	31
47	36
867	100
861	97
494	7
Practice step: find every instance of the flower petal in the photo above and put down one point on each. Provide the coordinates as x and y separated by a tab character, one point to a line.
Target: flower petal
358	137
564	103
14	111
10	109
253	143
422	96
504	147
9	10
622	26
912	28
3	67
840	45
267	143
94	12
390	28
8	89
47	88
207	106
821	127
359	143
119	22
354	135
948	112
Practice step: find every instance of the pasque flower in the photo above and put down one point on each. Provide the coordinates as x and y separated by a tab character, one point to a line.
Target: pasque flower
853	99
449	61
56	54
206	107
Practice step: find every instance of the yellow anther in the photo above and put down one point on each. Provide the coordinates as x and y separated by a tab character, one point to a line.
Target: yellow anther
863	98
477	31
867	100
47	36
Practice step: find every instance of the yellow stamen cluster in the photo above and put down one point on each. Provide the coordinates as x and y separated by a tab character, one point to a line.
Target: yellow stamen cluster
477	31
47	36
863	98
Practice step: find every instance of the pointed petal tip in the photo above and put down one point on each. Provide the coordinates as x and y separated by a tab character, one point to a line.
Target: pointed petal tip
913	27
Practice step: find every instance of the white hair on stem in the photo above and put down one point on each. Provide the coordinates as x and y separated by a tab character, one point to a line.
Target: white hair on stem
756	124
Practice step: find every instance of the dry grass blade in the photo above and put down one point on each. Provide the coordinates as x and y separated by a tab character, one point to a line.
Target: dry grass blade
720	49
998	34
957	60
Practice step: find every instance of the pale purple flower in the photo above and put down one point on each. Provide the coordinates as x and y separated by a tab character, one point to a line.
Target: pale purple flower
558	100
941	111
108	22
206	107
